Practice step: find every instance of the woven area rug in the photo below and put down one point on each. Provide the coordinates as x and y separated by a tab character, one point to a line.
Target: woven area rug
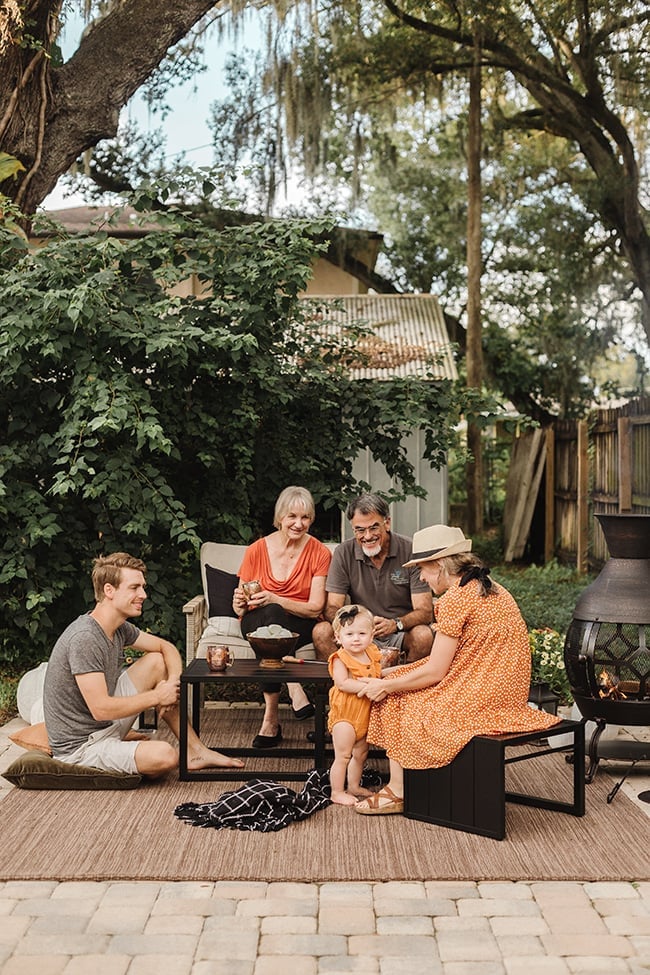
134	835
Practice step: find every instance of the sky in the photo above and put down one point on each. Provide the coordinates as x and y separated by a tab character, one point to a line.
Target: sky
185	127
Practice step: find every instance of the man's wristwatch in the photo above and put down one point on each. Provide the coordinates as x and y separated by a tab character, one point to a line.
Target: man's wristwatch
399	625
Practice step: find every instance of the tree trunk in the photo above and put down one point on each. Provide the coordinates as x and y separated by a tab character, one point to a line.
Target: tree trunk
474	354
567	86
50	114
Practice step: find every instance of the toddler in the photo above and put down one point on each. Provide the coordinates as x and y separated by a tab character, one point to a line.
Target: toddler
357	657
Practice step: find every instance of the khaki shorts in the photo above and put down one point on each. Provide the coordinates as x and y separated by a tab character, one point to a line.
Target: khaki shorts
392	640
105	749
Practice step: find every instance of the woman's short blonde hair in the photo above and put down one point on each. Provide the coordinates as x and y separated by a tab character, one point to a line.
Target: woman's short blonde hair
291	497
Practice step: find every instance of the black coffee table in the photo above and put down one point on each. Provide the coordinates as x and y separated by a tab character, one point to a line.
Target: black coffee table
250	672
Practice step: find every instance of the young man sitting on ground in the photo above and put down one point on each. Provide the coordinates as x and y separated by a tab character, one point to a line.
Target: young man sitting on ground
90	701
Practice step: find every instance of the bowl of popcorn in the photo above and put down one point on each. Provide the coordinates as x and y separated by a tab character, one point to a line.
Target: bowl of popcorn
271	643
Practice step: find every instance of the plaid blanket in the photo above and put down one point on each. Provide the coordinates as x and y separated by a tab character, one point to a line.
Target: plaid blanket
259	805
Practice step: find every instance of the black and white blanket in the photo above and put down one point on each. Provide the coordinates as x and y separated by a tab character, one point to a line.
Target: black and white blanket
260	805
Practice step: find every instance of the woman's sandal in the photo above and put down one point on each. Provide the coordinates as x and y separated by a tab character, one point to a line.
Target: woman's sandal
371	806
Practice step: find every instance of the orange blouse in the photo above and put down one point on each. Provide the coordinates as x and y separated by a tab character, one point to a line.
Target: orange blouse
314	561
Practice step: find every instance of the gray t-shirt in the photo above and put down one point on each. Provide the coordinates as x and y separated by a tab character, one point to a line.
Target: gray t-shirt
386	591
82	648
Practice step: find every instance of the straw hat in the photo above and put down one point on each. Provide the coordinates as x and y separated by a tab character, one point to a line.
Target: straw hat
436	542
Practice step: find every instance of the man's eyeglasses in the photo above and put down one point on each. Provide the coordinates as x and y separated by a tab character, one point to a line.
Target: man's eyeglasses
370	530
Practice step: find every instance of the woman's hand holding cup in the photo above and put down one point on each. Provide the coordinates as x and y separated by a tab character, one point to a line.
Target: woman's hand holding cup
251	589
239	601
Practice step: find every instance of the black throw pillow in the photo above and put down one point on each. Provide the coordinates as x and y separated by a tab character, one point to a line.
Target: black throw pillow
221	585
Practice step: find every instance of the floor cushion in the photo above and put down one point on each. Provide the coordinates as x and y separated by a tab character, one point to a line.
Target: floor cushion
35	770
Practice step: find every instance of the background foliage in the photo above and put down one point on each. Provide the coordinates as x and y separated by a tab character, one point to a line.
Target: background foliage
134	418
371	101
546	594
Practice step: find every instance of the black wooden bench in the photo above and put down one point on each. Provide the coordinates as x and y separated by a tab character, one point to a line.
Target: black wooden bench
470	793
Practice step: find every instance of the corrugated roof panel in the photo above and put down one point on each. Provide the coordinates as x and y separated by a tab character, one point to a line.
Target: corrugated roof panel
407	330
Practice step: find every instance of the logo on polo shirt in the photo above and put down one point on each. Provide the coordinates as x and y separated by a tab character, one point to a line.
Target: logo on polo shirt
399	577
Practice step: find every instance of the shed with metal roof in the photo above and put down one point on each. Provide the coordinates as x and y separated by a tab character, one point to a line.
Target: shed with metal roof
407	337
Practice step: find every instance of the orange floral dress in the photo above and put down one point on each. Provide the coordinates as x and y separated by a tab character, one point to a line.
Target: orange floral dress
485	690
349	707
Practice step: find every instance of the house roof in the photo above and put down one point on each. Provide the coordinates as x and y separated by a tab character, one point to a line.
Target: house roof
408	335
114	221
350	248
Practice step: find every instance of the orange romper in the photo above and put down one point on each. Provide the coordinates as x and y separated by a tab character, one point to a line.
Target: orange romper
348	707
485	690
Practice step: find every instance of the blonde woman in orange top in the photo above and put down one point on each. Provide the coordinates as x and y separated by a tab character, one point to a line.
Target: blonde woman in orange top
291	567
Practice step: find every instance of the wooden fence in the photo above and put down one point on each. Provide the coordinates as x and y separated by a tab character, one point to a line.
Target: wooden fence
563	475
600	465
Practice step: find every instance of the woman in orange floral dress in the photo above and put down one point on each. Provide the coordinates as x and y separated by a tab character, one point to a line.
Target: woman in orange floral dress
475	681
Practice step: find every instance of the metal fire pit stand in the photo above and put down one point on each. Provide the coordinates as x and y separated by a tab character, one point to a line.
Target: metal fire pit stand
616	751
607	646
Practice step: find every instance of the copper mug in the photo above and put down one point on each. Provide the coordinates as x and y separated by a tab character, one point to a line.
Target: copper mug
389	657
251	588
218	657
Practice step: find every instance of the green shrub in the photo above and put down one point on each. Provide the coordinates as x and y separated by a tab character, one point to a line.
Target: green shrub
8	688
135	417
489	547
546	594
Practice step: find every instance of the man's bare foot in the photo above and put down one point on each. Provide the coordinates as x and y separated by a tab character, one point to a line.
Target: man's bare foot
136	736
343	799
211	759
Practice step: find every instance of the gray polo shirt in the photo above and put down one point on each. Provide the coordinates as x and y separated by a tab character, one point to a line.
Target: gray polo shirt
386	591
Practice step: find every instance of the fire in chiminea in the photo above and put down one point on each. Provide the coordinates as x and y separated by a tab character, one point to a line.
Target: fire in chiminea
611	687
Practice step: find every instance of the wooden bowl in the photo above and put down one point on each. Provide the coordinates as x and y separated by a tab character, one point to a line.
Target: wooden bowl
270	650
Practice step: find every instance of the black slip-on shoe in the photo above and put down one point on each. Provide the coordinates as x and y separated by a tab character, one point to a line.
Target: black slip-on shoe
308	711
268	741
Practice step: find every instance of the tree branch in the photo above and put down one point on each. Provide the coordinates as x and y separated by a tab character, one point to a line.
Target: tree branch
573	109
116	55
